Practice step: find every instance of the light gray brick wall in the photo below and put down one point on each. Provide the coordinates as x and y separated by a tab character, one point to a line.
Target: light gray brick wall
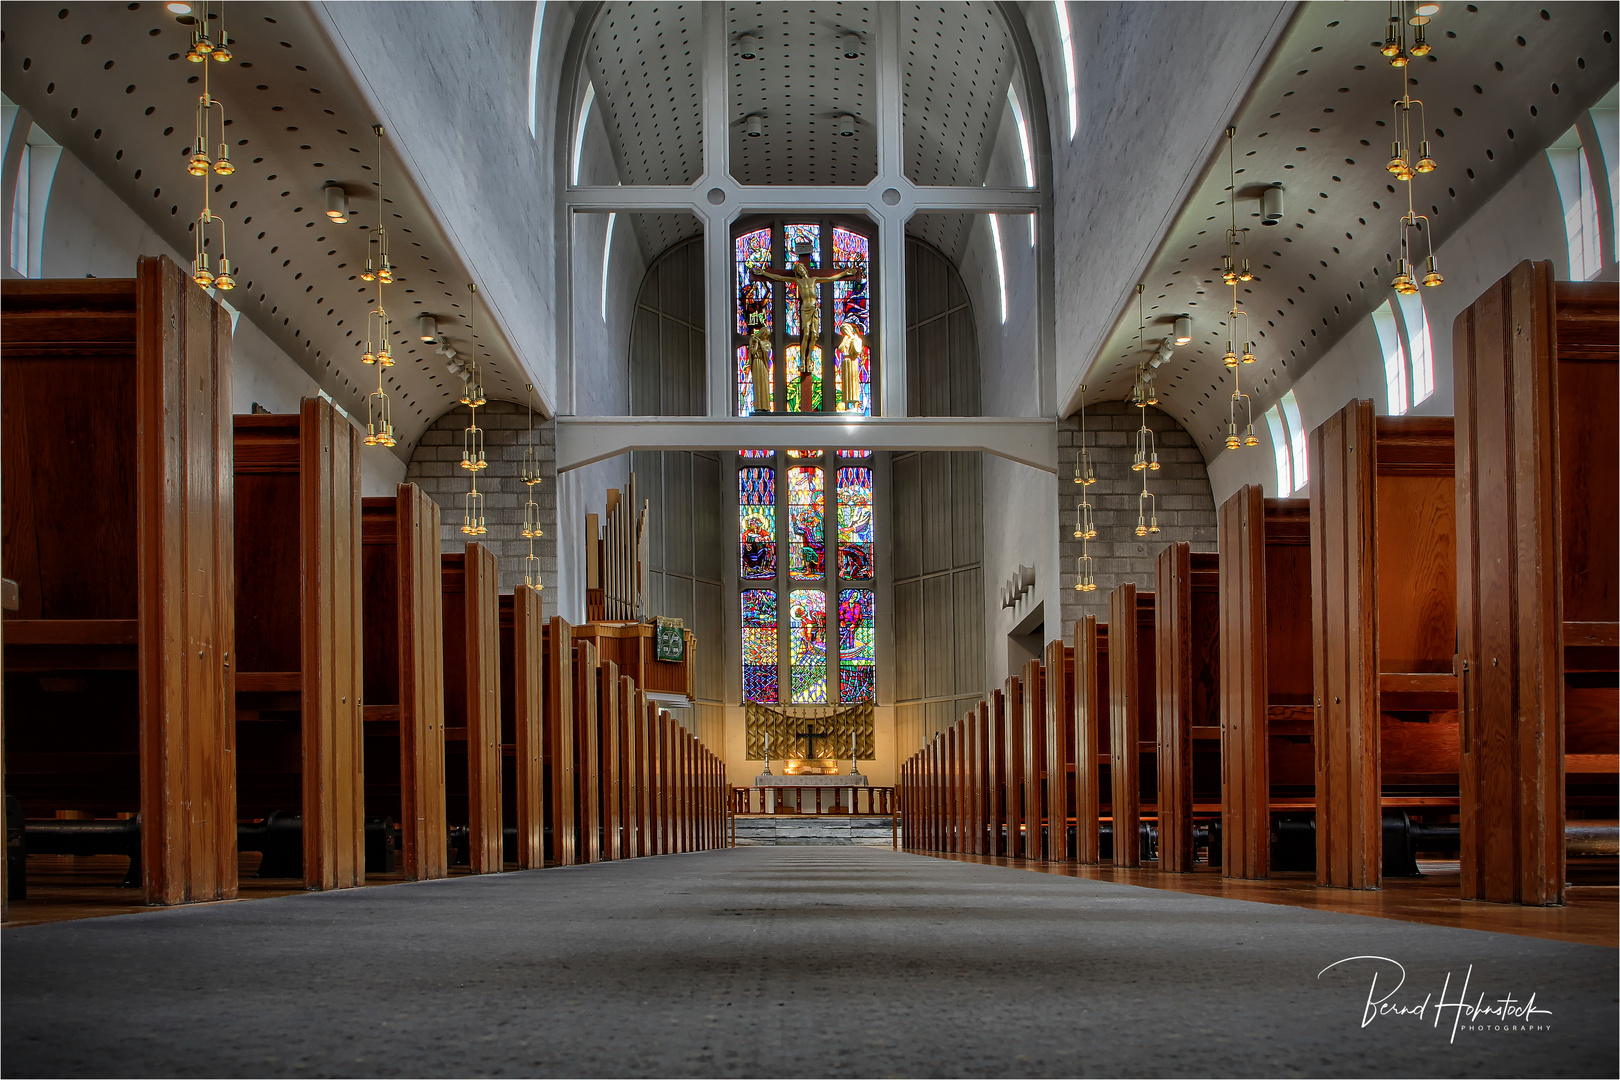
1185	502
435	467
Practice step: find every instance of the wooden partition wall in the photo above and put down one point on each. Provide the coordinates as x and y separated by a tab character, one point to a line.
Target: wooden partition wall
1187	696
1537	563
562	841
1383	494
470	584
119	534
298	633
1267	718
523	724
404	675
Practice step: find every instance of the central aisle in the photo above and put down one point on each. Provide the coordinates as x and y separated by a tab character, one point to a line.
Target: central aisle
778	962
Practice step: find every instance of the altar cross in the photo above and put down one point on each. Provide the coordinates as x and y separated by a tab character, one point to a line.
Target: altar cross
810	736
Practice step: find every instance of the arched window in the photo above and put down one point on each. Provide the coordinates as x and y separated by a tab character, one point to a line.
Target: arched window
805	569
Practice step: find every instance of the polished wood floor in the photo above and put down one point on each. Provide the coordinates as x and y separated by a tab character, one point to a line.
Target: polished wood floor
1592	916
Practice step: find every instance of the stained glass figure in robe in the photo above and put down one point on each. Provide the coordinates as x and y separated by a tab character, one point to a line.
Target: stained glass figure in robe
855	524
755	362
756	519
759	645
807	646
852	322
807	551
856	653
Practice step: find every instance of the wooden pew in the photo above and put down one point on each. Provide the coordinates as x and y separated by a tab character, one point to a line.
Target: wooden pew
1033	736
1093	797
472	701
1060	763
607	719
625	740
978	723
560	767
1132	713
1267	719
1538	599
587	753
1012	749
647	823
1383	497
953	787
118	532
523	724
298	664
404	674
1187	695
995	774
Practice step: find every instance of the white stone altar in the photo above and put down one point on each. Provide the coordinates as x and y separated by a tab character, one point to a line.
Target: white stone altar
811	780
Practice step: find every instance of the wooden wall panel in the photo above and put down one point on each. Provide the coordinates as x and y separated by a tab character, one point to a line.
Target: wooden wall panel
1344	580
1245	772
1124	718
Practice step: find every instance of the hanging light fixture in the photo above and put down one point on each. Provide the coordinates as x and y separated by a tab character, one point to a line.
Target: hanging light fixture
1403	164
201	165
203	46
379	335
1085	529
529	473
1239	339
472	441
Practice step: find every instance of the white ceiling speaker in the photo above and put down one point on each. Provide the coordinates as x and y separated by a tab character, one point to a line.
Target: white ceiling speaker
337	203
846	125
747	47
1271	205
753	125
851	44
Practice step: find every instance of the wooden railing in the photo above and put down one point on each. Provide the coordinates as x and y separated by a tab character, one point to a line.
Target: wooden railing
813	800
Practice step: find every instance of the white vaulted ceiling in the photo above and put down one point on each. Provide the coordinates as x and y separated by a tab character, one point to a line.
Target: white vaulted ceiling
1503	81
110	83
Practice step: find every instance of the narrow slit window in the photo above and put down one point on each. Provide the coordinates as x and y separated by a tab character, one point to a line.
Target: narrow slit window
1296	436
1280	447
1389	341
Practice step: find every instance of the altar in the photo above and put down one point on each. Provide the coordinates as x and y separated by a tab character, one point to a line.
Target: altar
816	780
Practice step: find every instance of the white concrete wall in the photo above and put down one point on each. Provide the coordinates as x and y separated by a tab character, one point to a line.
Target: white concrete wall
1158	83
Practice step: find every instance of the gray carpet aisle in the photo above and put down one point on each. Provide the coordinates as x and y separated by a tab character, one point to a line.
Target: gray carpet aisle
777	962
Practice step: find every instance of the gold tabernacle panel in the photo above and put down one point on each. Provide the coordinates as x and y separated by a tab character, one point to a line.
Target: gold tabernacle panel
806	734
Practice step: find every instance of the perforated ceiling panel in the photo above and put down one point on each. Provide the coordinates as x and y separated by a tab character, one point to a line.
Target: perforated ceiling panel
646	62
108	81
660	232
947	232
799	84
1503	81
958	62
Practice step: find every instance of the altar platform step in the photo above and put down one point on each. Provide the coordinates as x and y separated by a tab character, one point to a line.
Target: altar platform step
814	830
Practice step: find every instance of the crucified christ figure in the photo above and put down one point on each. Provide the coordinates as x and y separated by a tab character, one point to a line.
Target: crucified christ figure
808	297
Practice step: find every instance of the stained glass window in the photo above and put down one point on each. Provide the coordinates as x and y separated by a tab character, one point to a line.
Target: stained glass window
824	505
852	322
857	629
803	377
807	646
753	320
807	553
855	524
759	645
756	519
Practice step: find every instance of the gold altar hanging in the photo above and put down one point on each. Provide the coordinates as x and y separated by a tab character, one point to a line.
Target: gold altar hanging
810	734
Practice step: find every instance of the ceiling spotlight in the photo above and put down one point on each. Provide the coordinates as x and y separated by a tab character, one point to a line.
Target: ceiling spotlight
753	125
337	203
1271	205
852	45
747	47
846	125
1183	329
427	328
